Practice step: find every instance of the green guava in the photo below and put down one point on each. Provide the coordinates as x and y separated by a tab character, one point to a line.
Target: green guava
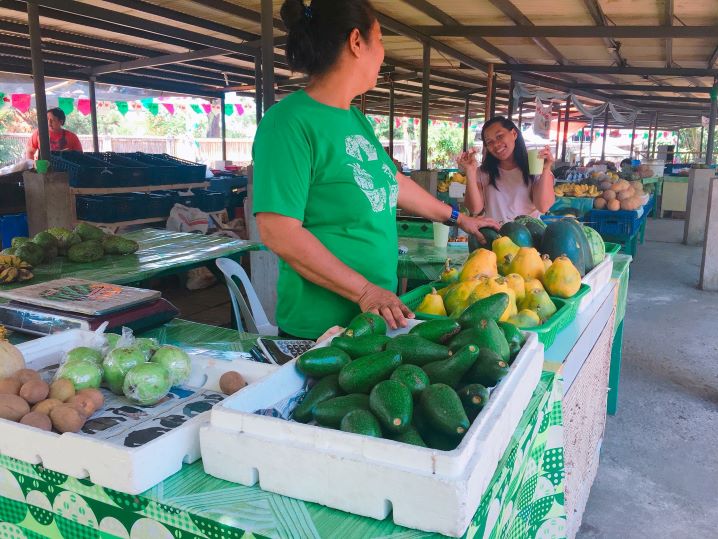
118	363
147	384
176	361
82	374
85	353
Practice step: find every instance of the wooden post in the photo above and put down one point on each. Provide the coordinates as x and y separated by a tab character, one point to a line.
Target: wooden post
633	136
580	147
512	85
258	95
38	74
655	138
558	130
709	263
565	128
489	92
267	24
93	115
712	124
700	145
223	125
605	130
466	124
521	112
392	117
424	148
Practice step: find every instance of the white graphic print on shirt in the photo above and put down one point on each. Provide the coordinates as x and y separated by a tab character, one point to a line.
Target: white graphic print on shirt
356	145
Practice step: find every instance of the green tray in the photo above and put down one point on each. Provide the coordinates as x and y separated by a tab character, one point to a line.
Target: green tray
546	332
612	248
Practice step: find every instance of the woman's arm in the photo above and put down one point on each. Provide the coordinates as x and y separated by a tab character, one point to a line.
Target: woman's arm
30	149
300	249
474	197
542	191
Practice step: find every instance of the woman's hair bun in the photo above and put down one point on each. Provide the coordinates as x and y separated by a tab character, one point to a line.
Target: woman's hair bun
292	13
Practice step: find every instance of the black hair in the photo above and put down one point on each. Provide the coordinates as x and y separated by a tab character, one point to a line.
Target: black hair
490	165
59	114
626	161
318	30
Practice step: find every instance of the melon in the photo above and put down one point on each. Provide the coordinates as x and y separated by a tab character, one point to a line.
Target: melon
595	242
518	233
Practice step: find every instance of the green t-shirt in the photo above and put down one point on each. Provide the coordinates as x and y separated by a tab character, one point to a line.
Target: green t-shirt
325	167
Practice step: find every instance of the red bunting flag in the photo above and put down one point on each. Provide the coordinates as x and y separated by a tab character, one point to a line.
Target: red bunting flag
169	107
240	109
83	105
21	102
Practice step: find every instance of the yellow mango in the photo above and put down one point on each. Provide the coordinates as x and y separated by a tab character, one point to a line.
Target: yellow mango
527	263
482	262
562	279
432	304
517	283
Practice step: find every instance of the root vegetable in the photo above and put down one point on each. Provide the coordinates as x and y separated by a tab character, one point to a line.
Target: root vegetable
231	382
67	418
37	420
62	389
13	407
25	375
599	203
10	386
34	391
46	406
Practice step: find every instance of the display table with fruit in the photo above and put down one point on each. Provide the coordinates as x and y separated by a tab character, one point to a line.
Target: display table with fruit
155	253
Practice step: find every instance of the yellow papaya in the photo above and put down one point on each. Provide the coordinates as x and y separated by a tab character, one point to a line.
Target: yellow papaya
482	262
524	319
562	279
432	304
517	283
537	300
546	262
505	251
449	275
488	287
530	284
527	263
459	294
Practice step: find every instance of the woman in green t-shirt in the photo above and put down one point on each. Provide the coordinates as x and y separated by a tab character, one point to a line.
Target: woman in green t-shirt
325	191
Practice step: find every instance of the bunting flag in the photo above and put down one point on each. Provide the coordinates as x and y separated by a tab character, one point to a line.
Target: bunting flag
377	119
645	136
153	108
417	121
195	107
228	110
20	101
66	104
397	123
665	134
83	105
207	108
169	107
122	106
239	108
2	100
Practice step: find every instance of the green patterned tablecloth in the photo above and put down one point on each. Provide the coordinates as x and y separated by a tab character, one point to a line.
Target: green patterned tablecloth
525	498
423	261
162	252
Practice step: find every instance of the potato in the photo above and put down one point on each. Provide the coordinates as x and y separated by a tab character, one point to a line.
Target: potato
46	406
599	203
10	386
34	391
67	418
62	389
13	407
614	205
231	382
96	395
84	403
37	420
25	375
609	195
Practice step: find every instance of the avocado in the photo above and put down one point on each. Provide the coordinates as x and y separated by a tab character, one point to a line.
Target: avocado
438	331
321	362
443	411
391	403
514	337
330	413
31	253
362	374
486	335
361	422
492	308
361	346
86	251
409	436
431	436
117	245
450	371
18	241
417	350
474	397
413	377
488	370
366	324
325	389
89	232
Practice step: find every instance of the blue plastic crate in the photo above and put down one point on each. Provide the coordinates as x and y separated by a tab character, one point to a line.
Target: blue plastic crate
12	226
620	223
189	172
109	208
209	201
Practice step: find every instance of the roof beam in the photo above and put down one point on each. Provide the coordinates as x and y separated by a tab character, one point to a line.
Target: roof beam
713	59
513	13
614	70
155	61
238	11
646	88
435	13
630	32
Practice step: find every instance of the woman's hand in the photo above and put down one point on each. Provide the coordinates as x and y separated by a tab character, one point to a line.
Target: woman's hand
467	161
377	300
471	225
548	158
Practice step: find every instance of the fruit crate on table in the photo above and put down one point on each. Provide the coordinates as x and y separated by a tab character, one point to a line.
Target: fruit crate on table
189	172
161	171
85	171
108	208
621	223
134	173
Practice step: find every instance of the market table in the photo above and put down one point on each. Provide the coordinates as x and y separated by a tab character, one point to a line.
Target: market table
524	499
162	252
424	261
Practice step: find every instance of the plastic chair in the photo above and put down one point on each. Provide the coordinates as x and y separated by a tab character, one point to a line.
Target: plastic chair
253	314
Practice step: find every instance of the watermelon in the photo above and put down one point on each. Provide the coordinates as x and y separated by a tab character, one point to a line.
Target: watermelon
563	238
489	234
518	233
595	242
536	227
523	219
585	246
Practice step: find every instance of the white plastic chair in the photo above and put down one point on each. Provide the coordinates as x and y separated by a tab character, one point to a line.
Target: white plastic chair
253	314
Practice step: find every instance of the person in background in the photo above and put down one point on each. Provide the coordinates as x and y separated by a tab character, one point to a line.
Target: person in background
60	138
501	188
325	191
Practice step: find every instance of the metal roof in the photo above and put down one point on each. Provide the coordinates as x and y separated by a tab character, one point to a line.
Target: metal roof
654	55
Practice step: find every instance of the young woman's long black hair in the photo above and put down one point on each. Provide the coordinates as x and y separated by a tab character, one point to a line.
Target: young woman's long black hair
490	165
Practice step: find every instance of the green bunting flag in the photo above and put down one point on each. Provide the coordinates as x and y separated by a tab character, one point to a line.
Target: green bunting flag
2	100
66	104
153	108
228	110
122	106
196	108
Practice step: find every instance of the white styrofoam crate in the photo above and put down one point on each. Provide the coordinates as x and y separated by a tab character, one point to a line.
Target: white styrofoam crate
597	279
427	489
127	469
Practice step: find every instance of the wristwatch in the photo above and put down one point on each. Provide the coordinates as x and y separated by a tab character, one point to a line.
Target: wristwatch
453	219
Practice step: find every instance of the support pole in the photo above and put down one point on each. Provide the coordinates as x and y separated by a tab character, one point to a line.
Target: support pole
580	147
565	128
633	137
362	103
700	145
466	124
93	115
590	144
492	102
712	124
489	92
655	138
558	130
223	124
424	146
605	130
258	94
650	135
267	20
521	112
38	74
392	120
512	85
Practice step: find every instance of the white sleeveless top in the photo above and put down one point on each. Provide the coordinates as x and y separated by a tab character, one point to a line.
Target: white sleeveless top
511	199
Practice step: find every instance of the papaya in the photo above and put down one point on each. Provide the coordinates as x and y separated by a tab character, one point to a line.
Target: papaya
546	262
489	235
527	263
505	251
538	301
450	371
480	263
449	274
524	319
366	324
562	279
518	233
438	331
516	282
459	295
530	285
489	287
563	237
432	304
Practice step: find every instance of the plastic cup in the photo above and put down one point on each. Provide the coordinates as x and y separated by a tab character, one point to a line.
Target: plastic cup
441	235
41	165
535	162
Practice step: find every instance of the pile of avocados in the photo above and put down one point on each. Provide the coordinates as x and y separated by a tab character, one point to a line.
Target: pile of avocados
423	388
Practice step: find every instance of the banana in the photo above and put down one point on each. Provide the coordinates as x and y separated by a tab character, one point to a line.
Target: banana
8	274
24	275
14	261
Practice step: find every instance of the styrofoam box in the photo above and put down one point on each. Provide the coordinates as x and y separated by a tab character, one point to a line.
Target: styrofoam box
126	469
597	279
427	489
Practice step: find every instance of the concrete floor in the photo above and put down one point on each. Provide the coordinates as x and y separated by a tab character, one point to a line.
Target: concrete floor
658	474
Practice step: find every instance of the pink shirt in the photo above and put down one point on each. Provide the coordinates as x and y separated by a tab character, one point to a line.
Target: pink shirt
511	199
